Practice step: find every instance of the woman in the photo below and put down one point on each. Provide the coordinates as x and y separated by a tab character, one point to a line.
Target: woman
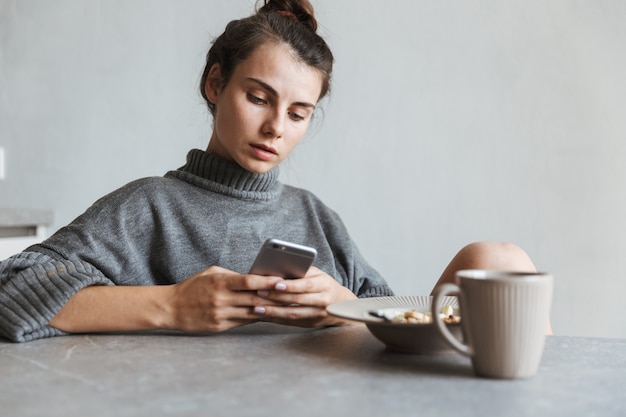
173	252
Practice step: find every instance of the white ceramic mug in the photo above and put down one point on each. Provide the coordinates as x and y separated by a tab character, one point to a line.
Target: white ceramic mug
504	317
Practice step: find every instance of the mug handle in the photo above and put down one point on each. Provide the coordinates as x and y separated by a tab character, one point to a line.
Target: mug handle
442	291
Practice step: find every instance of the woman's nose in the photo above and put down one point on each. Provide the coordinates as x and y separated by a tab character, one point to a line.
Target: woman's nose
274	125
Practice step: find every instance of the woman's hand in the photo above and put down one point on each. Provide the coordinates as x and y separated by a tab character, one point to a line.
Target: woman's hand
217	299
302	302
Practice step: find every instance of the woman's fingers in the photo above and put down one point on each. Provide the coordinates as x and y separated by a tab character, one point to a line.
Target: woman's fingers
303	301
221	278
316	289
302	316
321	299
217	299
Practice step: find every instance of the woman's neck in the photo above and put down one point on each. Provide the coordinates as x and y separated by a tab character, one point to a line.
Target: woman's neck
228	173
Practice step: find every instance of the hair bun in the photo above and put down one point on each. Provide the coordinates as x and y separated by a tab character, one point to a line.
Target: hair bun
302	10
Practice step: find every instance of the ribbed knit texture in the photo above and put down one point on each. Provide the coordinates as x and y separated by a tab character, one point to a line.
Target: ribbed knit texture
162	230
228	178
34	287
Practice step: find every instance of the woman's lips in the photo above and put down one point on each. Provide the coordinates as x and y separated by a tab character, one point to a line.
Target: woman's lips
264	153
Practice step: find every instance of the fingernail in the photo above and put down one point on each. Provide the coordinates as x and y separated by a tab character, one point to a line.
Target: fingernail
263	293
281	286
259	310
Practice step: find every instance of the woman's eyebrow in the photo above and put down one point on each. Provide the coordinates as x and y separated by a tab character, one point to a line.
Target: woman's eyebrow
273	92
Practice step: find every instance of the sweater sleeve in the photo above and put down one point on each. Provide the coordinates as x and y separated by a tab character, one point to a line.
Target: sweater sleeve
34	287
366	280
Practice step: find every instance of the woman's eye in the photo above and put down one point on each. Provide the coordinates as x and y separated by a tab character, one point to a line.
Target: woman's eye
255	99
295	116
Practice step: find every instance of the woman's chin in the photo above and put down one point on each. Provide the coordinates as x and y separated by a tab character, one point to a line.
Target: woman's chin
256	166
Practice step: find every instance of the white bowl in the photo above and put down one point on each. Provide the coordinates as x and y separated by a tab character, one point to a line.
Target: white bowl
401	337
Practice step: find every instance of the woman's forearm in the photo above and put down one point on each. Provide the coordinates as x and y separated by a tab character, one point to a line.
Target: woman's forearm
115	308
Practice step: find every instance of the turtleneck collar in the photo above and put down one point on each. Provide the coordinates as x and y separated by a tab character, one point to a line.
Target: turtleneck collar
209	171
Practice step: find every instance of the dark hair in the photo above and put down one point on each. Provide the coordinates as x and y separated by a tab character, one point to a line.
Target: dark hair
288	21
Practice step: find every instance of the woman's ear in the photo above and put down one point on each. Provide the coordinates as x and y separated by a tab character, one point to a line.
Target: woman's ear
212	85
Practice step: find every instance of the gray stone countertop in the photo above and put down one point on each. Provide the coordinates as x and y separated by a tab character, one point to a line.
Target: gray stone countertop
270	370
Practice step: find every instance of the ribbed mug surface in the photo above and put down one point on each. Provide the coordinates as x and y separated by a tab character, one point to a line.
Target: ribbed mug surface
504	321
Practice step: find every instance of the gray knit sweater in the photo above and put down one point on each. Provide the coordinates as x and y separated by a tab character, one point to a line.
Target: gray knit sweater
162	230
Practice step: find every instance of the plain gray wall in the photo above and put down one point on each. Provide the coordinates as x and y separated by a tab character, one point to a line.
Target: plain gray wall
449	122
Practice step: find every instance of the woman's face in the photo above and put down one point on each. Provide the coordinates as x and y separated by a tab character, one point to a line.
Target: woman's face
264	110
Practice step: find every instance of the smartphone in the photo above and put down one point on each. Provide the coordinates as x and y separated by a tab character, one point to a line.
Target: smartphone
283	259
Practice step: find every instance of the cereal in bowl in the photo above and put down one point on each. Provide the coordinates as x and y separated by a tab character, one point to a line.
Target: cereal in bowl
415	317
